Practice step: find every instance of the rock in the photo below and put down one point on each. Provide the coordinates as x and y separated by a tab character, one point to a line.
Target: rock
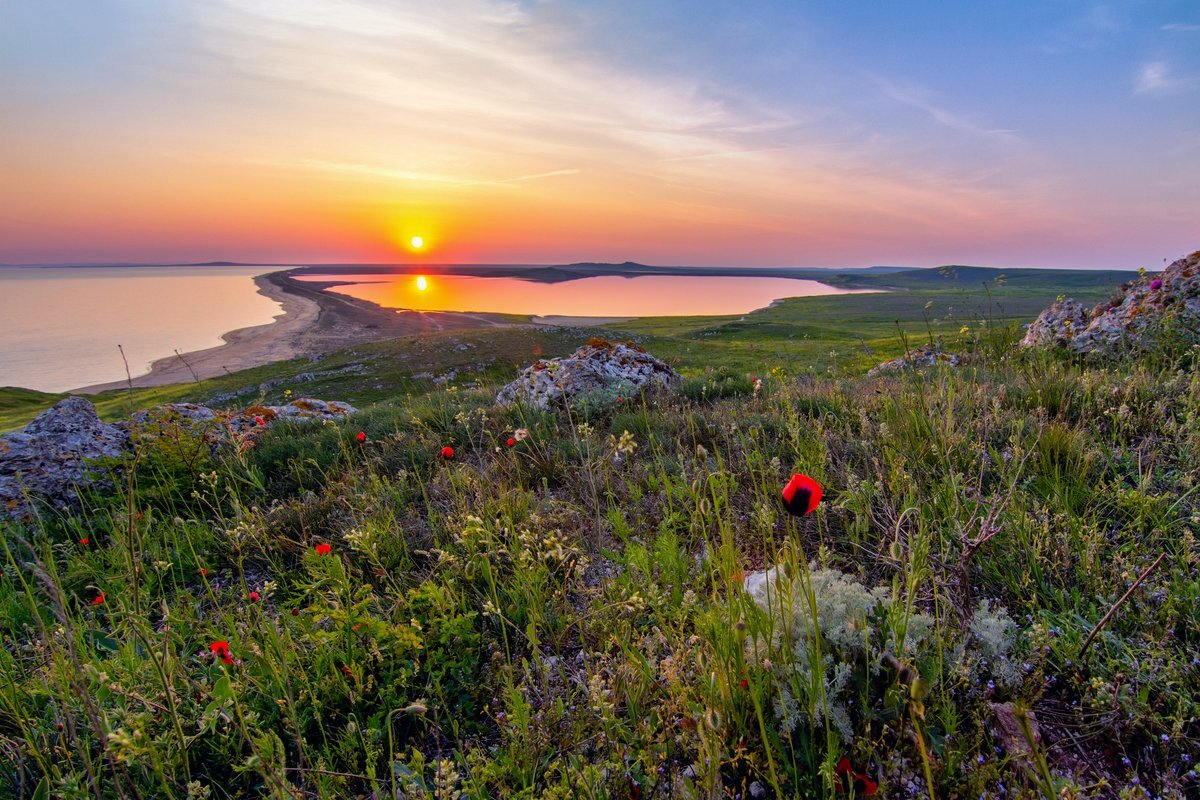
50	457
1008	730
1137	317
1057	325
920	357
599	364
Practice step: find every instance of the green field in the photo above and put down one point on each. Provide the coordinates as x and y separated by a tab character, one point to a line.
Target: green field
1005	546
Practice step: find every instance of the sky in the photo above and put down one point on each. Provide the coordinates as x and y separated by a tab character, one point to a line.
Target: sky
791	133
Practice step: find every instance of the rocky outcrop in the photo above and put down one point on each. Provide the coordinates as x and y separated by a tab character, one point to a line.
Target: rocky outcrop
53	456
202	419
597	365
1136	318
1057	325
931	356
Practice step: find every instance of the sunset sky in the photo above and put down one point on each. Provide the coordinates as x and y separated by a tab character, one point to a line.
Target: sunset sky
744	133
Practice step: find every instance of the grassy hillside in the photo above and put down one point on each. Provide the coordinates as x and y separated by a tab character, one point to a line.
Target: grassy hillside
578	615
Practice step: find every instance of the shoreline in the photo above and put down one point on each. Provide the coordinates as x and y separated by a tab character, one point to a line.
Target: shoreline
311	321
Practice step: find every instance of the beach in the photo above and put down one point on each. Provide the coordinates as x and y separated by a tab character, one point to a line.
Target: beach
313	321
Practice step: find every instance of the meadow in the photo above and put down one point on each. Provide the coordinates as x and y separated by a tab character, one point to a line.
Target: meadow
996	597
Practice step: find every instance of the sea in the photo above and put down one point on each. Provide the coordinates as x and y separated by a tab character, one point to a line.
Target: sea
60	327
63	328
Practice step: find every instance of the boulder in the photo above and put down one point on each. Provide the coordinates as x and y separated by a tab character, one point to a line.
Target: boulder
52	456
931	356
1136	317
597	365
1057	325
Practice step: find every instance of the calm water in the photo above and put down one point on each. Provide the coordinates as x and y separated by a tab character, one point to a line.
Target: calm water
609	296
59	328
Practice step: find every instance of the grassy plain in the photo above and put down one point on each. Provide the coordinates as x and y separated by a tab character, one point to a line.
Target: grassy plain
577	614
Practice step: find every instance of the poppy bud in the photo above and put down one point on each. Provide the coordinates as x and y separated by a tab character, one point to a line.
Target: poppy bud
447	453
801	495
295	612
362	437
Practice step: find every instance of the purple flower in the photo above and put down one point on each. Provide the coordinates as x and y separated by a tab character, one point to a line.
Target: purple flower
1155	285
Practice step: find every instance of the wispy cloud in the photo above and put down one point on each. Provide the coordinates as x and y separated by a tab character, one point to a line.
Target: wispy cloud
1156	78
925	100
1181	27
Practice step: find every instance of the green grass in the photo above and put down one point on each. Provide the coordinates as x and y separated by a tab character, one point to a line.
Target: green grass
567	617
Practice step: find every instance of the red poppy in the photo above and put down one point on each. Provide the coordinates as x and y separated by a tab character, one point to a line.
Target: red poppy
203	572
745	684
295	612
252	597
618	399
511	442
98	600
801	495
259	421
849	780
737	576
322	549
346	670
447	453
362	437
84	541
221	651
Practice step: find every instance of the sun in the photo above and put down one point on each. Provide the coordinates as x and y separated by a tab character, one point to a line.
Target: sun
422	284
418	242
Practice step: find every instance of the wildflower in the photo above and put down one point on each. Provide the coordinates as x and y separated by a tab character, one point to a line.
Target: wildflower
98	600
521	434
447	452
252	597
745	684
511	442
849	780
738	577
221	651
801	495
295	612
618	399
84	541
259	421
1155	285
362	437
964	329
322	549
203	572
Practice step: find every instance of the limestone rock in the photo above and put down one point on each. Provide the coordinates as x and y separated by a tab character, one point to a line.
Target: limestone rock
50	457
1057	325
920	357
597	365
1138	316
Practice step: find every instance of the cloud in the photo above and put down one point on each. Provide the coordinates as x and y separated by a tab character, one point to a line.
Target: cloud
1181	27
1156	78
923	99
